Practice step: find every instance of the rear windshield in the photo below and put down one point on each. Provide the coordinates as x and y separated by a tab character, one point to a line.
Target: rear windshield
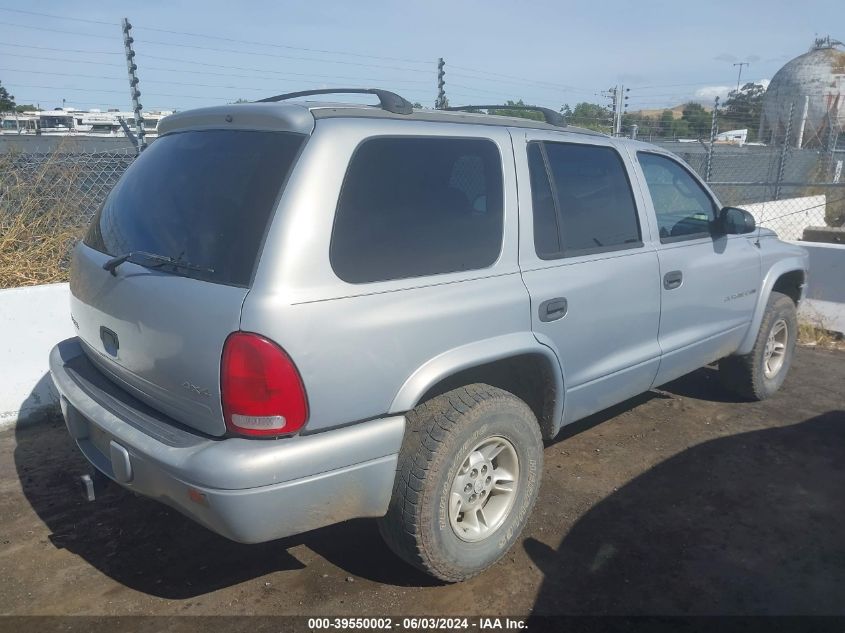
202	197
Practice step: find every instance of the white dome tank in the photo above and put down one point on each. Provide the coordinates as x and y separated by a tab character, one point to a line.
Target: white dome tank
818	74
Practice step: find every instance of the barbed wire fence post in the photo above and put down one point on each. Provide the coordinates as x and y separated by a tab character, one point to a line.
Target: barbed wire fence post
134	92
784	152
441	102
832	142
708	172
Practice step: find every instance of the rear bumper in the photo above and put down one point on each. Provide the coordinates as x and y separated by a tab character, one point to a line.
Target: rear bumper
247	490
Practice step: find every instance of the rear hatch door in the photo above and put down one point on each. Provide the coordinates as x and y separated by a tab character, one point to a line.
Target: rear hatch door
203	199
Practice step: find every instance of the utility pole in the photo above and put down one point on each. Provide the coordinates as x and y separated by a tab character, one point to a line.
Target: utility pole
623	108
619	104
441	101
611	94
739	74
617	110
134	93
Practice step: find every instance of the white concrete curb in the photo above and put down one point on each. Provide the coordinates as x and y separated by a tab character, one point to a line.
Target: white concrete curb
825	294
32	320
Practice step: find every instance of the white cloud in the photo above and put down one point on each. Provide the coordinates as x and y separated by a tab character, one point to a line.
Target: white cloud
707	94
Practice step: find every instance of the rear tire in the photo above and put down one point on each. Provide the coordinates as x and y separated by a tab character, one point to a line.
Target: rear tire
467	479
760	373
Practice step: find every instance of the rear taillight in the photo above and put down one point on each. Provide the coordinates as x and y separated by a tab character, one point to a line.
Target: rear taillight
261	390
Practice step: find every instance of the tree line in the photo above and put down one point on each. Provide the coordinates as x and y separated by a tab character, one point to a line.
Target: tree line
742	109
7	102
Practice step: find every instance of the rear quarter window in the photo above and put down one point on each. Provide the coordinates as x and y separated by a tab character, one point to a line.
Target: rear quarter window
203	197
417	206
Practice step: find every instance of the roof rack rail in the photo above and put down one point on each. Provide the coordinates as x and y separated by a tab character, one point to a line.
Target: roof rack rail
389	101
550	116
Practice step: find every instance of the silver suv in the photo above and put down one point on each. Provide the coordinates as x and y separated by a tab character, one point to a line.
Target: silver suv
294	314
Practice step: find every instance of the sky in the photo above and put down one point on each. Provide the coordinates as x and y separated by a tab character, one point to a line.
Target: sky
191	54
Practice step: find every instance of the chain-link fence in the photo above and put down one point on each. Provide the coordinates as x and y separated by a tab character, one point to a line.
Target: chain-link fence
46	200
792	182
48	197
84	177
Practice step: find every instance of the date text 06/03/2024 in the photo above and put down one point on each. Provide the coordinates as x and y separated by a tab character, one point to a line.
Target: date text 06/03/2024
417	623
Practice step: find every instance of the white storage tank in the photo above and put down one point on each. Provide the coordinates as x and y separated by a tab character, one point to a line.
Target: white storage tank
815	83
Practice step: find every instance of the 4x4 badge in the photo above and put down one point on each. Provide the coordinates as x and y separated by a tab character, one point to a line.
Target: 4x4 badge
200	391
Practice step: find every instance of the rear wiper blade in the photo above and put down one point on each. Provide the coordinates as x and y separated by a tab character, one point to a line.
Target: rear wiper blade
161	260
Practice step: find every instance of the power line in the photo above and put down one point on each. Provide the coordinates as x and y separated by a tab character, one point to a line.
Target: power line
263	70
698	83
149	81
285	76
114	92
521	79
489	74
49	30
526	82
60	50
59	59
186	70
221	38
288	47
44	72
148	94
525	85
98	104
478	75
60	17
221	50
278	55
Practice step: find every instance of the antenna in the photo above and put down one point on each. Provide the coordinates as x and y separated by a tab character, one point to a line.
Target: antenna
739	74
825	42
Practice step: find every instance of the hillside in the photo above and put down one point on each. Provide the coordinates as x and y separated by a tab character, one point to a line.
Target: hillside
677	111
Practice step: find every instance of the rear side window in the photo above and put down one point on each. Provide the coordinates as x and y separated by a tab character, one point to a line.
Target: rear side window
683	208
415	206
546	225
582	196
202	197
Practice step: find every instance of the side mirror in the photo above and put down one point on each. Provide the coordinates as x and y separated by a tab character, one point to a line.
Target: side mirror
733	221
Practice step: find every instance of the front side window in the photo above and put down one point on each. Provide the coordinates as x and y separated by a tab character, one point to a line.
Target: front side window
416	206
684	209
582	200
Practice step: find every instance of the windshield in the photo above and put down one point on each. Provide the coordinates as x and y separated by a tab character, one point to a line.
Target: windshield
203	197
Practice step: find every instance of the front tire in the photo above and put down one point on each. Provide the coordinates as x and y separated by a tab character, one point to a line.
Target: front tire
467	479
760	373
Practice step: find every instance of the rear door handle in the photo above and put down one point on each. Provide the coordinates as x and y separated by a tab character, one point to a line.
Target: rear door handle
673	279
553	309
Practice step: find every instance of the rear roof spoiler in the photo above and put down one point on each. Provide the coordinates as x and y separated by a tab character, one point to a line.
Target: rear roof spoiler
389	101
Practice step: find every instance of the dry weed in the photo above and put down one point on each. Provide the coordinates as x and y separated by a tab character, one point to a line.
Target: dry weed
42	215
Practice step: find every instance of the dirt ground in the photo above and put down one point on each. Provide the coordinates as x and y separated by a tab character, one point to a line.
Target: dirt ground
681	501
